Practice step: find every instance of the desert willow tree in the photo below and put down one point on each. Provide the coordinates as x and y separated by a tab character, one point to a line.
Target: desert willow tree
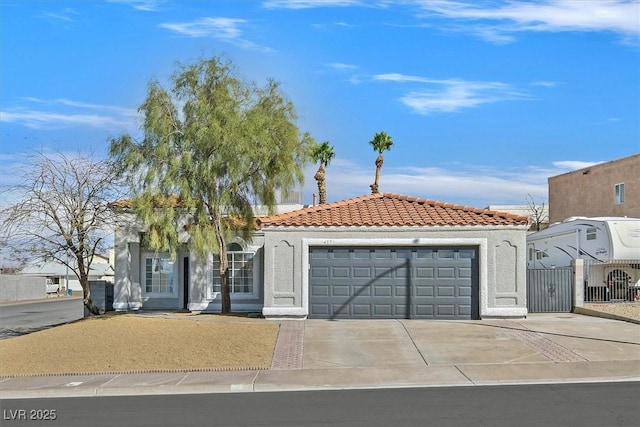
323	154
381	142
214	145
62	213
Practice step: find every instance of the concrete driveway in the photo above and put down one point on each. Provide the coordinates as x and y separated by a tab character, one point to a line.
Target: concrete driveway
540	338
402	353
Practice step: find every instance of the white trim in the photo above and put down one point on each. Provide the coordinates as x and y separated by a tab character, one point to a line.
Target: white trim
216	307
481	242
126	306
210	295
143	276
518	312
273	312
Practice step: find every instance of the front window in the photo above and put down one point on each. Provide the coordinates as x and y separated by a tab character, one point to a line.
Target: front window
591	233
159	275
240	271
619	194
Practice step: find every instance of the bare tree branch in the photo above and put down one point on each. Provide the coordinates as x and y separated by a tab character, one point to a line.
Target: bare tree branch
63	212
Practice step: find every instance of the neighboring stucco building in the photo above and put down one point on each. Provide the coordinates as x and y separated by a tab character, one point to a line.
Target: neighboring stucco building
605	189
375	256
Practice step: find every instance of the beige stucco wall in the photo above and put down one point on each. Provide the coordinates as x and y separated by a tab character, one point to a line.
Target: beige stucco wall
590	191
502	262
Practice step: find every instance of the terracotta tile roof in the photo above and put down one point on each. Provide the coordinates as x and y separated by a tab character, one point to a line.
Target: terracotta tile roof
388	209
170	200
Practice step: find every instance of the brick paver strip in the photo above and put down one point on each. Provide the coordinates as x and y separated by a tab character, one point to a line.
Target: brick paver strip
289	346
554	351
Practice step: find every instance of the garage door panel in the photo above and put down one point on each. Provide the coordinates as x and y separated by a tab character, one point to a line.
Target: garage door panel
319	253
464	272
393	282
361	272
340	272
320	290
317	272
425	310
464	310
382	254
382	272
400	312
464	291
361	291
446	310
383	310
425	290
320	310
361	310
340	290
446	272
425	272
400	291
445	291
382	291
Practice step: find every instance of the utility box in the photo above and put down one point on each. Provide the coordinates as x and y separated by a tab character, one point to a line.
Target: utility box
102	294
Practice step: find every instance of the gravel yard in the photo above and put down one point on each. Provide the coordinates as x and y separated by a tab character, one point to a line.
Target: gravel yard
135	343
629	310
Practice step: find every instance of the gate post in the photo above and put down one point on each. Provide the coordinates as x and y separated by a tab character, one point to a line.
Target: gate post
578	283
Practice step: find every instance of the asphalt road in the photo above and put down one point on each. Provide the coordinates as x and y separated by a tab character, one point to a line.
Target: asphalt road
24	317
586	405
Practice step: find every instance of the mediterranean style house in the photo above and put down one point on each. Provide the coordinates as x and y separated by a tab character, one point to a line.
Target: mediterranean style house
376	256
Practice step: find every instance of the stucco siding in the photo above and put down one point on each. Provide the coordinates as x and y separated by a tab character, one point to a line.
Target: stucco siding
590	191
502	281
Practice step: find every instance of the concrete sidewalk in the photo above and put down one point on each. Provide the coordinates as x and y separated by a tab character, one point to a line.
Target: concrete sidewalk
321	354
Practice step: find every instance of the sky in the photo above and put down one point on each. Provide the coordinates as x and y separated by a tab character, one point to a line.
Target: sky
484	100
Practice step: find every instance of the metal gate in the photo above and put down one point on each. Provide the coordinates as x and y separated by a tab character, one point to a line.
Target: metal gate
549	290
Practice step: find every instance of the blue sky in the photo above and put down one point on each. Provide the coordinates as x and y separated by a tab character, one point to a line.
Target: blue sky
484	99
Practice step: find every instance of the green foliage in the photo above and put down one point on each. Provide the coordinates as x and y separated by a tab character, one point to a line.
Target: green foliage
213	146
381	142
323	153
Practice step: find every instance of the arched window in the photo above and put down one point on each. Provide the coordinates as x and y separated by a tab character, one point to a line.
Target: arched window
240	270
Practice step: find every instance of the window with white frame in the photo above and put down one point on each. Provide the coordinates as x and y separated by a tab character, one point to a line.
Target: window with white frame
240	271
619	193
158	274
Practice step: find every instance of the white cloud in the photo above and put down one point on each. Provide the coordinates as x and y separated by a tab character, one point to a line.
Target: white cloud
472	185
144	5
65	15
507	18
450	95
545	83
61	113
228	30
499	22
306	4
571	165
342	66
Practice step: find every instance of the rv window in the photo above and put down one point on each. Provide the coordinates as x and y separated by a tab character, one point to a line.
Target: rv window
591	233
540	255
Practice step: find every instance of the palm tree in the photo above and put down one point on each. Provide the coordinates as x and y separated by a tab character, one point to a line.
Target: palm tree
322	153
381	142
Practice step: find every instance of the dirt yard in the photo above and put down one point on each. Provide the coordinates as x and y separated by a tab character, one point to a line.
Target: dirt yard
135	343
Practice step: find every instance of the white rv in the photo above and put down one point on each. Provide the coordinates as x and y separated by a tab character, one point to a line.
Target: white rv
609	245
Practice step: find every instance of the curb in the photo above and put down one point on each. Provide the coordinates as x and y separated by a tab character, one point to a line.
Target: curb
595	313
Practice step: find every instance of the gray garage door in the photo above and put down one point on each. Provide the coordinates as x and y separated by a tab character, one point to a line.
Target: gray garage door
393	282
